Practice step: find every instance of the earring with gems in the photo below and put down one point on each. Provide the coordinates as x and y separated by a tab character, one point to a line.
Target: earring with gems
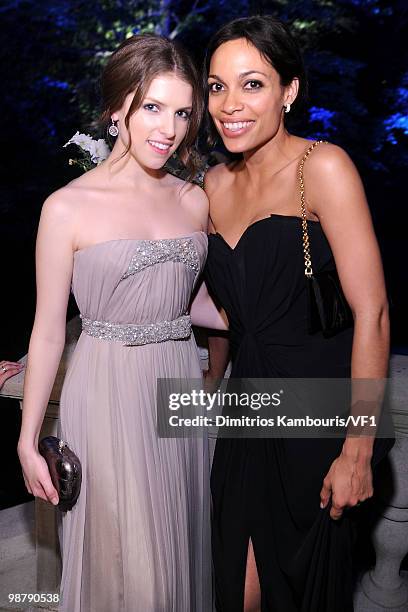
113	130
287	108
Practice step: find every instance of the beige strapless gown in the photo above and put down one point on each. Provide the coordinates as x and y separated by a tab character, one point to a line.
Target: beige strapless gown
138	539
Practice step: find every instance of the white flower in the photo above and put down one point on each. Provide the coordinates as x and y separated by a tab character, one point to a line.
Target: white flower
82	140
97	149
100	151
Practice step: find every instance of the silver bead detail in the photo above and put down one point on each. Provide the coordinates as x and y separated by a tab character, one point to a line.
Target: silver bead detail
151	252
137	335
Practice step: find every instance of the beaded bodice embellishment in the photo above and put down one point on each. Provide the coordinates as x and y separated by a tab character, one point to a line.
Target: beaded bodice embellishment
137	335
151	252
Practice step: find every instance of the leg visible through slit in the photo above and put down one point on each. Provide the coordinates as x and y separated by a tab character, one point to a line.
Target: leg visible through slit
252	596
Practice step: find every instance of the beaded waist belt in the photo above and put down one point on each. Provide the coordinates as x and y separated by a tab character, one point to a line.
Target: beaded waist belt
136	335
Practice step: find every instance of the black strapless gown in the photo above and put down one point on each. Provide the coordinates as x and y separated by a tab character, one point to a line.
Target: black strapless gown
269	489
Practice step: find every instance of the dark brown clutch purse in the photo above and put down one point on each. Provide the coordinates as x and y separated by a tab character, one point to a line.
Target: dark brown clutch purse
65	470
328	309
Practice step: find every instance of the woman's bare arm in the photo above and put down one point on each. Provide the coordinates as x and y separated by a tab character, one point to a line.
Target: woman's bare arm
218	358
203	311
218	346
336	195
54	262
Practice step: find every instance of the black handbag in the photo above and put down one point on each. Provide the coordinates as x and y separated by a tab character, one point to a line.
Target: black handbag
328	309
65	470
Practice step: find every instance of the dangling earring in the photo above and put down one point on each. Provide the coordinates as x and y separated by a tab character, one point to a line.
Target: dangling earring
113	130
287	108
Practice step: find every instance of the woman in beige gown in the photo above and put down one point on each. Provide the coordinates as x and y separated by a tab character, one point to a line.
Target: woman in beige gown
130	241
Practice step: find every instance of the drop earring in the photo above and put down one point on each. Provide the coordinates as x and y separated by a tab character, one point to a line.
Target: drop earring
113	130
287	108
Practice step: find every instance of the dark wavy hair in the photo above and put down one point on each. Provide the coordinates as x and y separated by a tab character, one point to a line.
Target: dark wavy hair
133	66
274	42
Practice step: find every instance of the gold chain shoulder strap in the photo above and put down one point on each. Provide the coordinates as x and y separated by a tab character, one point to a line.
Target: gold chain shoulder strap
305	233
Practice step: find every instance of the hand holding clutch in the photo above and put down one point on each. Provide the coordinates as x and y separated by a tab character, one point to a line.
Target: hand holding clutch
65	470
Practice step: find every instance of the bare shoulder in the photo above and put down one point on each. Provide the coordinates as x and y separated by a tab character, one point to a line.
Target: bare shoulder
67	208
327	162
195	197
70	200
58	221
60	204
332	182
195	203
216	177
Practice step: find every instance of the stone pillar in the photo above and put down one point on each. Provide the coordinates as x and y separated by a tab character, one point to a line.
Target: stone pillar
384	585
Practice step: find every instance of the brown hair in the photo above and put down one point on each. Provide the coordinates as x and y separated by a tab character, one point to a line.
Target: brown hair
133	66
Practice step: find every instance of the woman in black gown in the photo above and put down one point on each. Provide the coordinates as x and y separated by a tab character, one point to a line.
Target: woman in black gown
270	503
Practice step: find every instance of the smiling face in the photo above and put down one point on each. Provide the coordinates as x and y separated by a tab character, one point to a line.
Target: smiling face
160	124
246	98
